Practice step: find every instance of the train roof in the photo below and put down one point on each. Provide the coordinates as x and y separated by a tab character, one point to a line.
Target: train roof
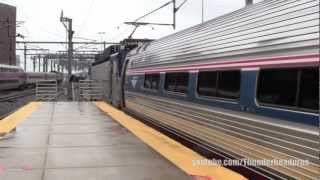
37	73
267	26
9	66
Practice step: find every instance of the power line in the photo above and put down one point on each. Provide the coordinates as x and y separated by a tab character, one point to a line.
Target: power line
84	22
63	42
151	12
175	10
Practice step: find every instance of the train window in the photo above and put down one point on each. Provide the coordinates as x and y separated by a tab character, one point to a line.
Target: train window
170	82
223	84
207	83
151	81
278	86
293	87
182	83
147	81
309	89
229	84
155	81
177	82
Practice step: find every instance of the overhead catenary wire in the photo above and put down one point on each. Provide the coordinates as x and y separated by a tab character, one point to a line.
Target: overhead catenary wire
137	24
177	9
84	22
151	12
122	33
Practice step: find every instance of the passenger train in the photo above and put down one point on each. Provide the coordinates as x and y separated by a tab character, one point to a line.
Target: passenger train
13	77
33	77
244	86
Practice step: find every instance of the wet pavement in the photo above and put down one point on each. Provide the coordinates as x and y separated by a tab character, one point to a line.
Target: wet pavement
71	140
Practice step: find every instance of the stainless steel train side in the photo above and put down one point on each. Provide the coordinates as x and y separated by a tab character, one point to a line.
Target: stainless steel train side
273	35
109	73
102	72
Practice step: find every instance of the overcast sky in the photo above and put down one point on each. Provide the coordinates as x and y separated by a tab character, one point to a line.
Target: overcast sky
92	16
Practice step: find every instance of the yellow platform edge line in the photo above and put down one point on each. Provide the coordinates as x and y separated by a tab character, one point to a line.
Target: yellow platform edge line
175	152
10	122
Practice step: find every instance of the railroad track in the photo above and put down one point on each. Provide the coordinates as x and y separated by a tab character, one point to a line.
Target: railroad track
10	102
17	95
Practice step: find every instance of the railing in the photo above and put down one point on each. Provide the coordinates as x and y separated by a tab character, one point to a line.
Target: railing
87	90
46	90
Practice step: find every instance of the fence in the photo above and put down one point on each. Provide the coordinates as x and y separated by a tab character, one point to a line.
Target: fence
46	90
87	90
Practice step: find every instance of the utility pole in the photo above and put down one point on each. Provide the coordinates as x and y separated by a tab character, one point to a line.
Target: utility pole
46	67
34	63
39	62
51	65
25	50
25	58
58	67
43	64
101	34
47	61
174	14
70	32
202	11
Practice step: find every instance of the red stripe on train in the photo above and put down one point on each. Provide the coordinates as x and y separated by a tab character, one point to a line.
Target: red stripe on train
238	64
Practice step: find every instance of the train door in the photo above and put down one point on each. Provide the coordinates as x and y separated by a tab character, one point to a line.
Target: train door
107	86
115	83
123	83
103	72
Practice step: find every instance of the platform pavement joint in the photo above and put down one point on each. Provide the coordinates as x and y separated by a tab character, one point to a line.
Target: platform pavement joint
71	140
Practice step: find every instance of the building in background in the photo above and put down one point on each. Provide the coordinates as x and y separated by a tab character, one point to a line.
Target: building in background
7	34
18	60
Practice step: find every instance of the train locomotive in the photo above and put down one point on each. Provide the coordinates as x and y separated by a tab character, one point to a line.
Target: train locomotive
244	85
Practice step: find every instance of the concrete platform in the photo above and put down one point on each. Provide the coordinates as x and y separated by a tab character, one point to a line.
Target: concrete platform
67	141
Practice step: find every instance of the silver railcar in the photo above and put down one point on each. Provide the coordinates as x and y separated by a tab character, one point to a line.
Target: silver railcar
244	85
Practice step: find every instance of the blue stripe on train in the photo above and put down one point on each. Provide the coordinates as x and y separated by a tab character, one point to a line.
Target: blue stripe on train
247	102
